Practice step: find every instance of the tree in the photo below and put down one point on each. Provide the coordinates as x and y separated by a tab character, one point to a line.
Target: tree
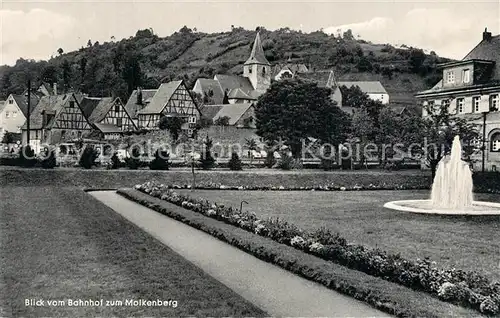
172	124
348	35
222	121
251	145
133	162
293	109
115	161
49	159
207	161
439	128
27	157
270	148
89	43
8	138
363	130
160	161
235	162
88	157
60	51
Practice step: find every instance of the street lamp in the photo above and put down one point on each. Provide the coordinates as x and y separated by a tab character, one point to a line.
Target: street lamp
484	141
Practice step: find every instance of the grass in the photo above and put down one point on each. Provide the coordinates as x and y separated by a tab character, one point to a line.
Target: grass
60	243
389	297
470	243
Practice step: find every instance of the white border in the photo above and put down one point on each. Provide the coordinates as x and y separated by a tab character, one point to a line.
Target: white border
398	205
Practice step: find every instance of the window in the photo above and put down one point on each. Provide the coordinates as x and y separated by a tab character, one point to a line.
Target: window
494	103
7	114
475	103
264	70
460	105
382	97
495	142
466	76
63	134
192	120
119	122
14	114
446	103
11	101
250	70
117	108
450	77
72	104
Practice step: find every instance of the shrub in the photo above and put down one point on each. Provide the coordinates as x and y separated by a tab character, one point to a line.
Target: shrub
455	286
235	162
160	161
27	157
270	161
115	161
48	160
207	162
88	157
286	162
133	162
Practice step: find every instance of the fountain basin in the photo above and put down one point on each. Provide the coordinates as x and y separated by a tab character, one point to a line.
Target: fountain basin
478	208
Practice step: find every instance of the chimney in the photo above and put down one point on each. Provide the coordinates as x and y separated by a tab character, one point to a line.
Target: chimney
486	35
139	96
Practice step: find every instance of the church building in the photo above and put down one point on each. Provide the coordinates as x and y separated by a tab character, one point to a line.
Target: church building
232	89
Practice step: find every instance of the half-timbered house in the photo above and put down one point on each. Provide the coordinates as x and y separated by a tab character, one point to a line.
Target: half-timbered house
56	119
107	116
172	99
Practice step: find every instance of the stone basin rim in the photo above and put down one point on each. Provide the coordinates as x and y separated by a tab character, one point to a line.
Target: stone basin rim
400	206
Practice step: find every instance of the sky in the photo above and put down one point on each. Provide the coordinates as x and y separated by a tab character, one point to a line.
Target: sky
36	29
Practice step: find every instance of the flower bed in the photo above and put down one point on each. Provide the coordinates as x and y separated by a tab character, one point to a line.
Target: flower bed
468	289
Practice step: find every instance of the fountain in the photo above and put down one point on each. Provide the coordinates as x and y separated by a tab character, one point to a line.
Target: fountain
451	190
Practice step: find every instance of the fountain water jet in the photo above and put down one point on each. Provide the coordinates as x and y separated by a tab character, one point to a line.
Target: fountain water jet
451	190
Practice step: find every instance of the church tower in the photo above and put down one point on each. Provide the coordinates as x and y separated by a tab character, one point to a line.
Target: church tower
257	68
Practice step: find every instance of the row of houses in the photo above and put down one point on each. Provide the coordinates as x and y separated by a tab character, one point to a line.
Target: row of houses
63	118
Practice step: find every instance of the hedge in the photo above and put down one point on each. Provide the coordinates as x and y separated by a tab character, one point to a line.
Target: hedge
459	287
386	296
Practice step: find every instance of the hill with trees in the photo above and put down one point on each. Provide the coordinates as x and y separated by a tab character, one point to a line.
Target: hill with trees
115	68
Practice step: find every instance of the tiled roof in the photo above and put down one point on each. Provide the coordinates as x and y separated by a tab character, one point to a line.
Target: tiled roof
292	67
49	104
487	50
233	111
320	77
161	98
369	87
237	93
96	108
22	102
209	111
107	128
229	82
257	55
213	85
132	107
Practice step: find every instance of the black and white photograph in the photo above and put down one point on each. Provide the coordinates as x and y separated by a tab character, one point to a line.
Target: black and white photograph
231	158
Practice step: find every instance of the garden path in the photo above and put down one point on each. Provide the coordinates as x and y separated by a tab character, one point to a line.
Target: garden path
276	291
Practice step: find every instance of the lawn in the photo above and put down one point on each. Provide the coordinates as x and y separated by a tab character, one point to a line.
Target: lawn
60	243
470	243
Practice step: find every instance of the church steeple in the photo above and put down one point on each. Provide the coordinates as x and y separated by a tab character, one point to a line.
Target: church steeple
257	68
332	81
257	56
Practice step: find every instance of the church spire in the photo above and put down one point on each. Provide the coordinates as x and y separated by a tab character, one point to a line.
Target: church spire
332	81
257	56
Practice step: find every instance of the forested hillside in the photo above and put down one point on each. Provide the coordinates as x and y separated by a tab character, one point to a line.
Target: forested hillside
116	68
